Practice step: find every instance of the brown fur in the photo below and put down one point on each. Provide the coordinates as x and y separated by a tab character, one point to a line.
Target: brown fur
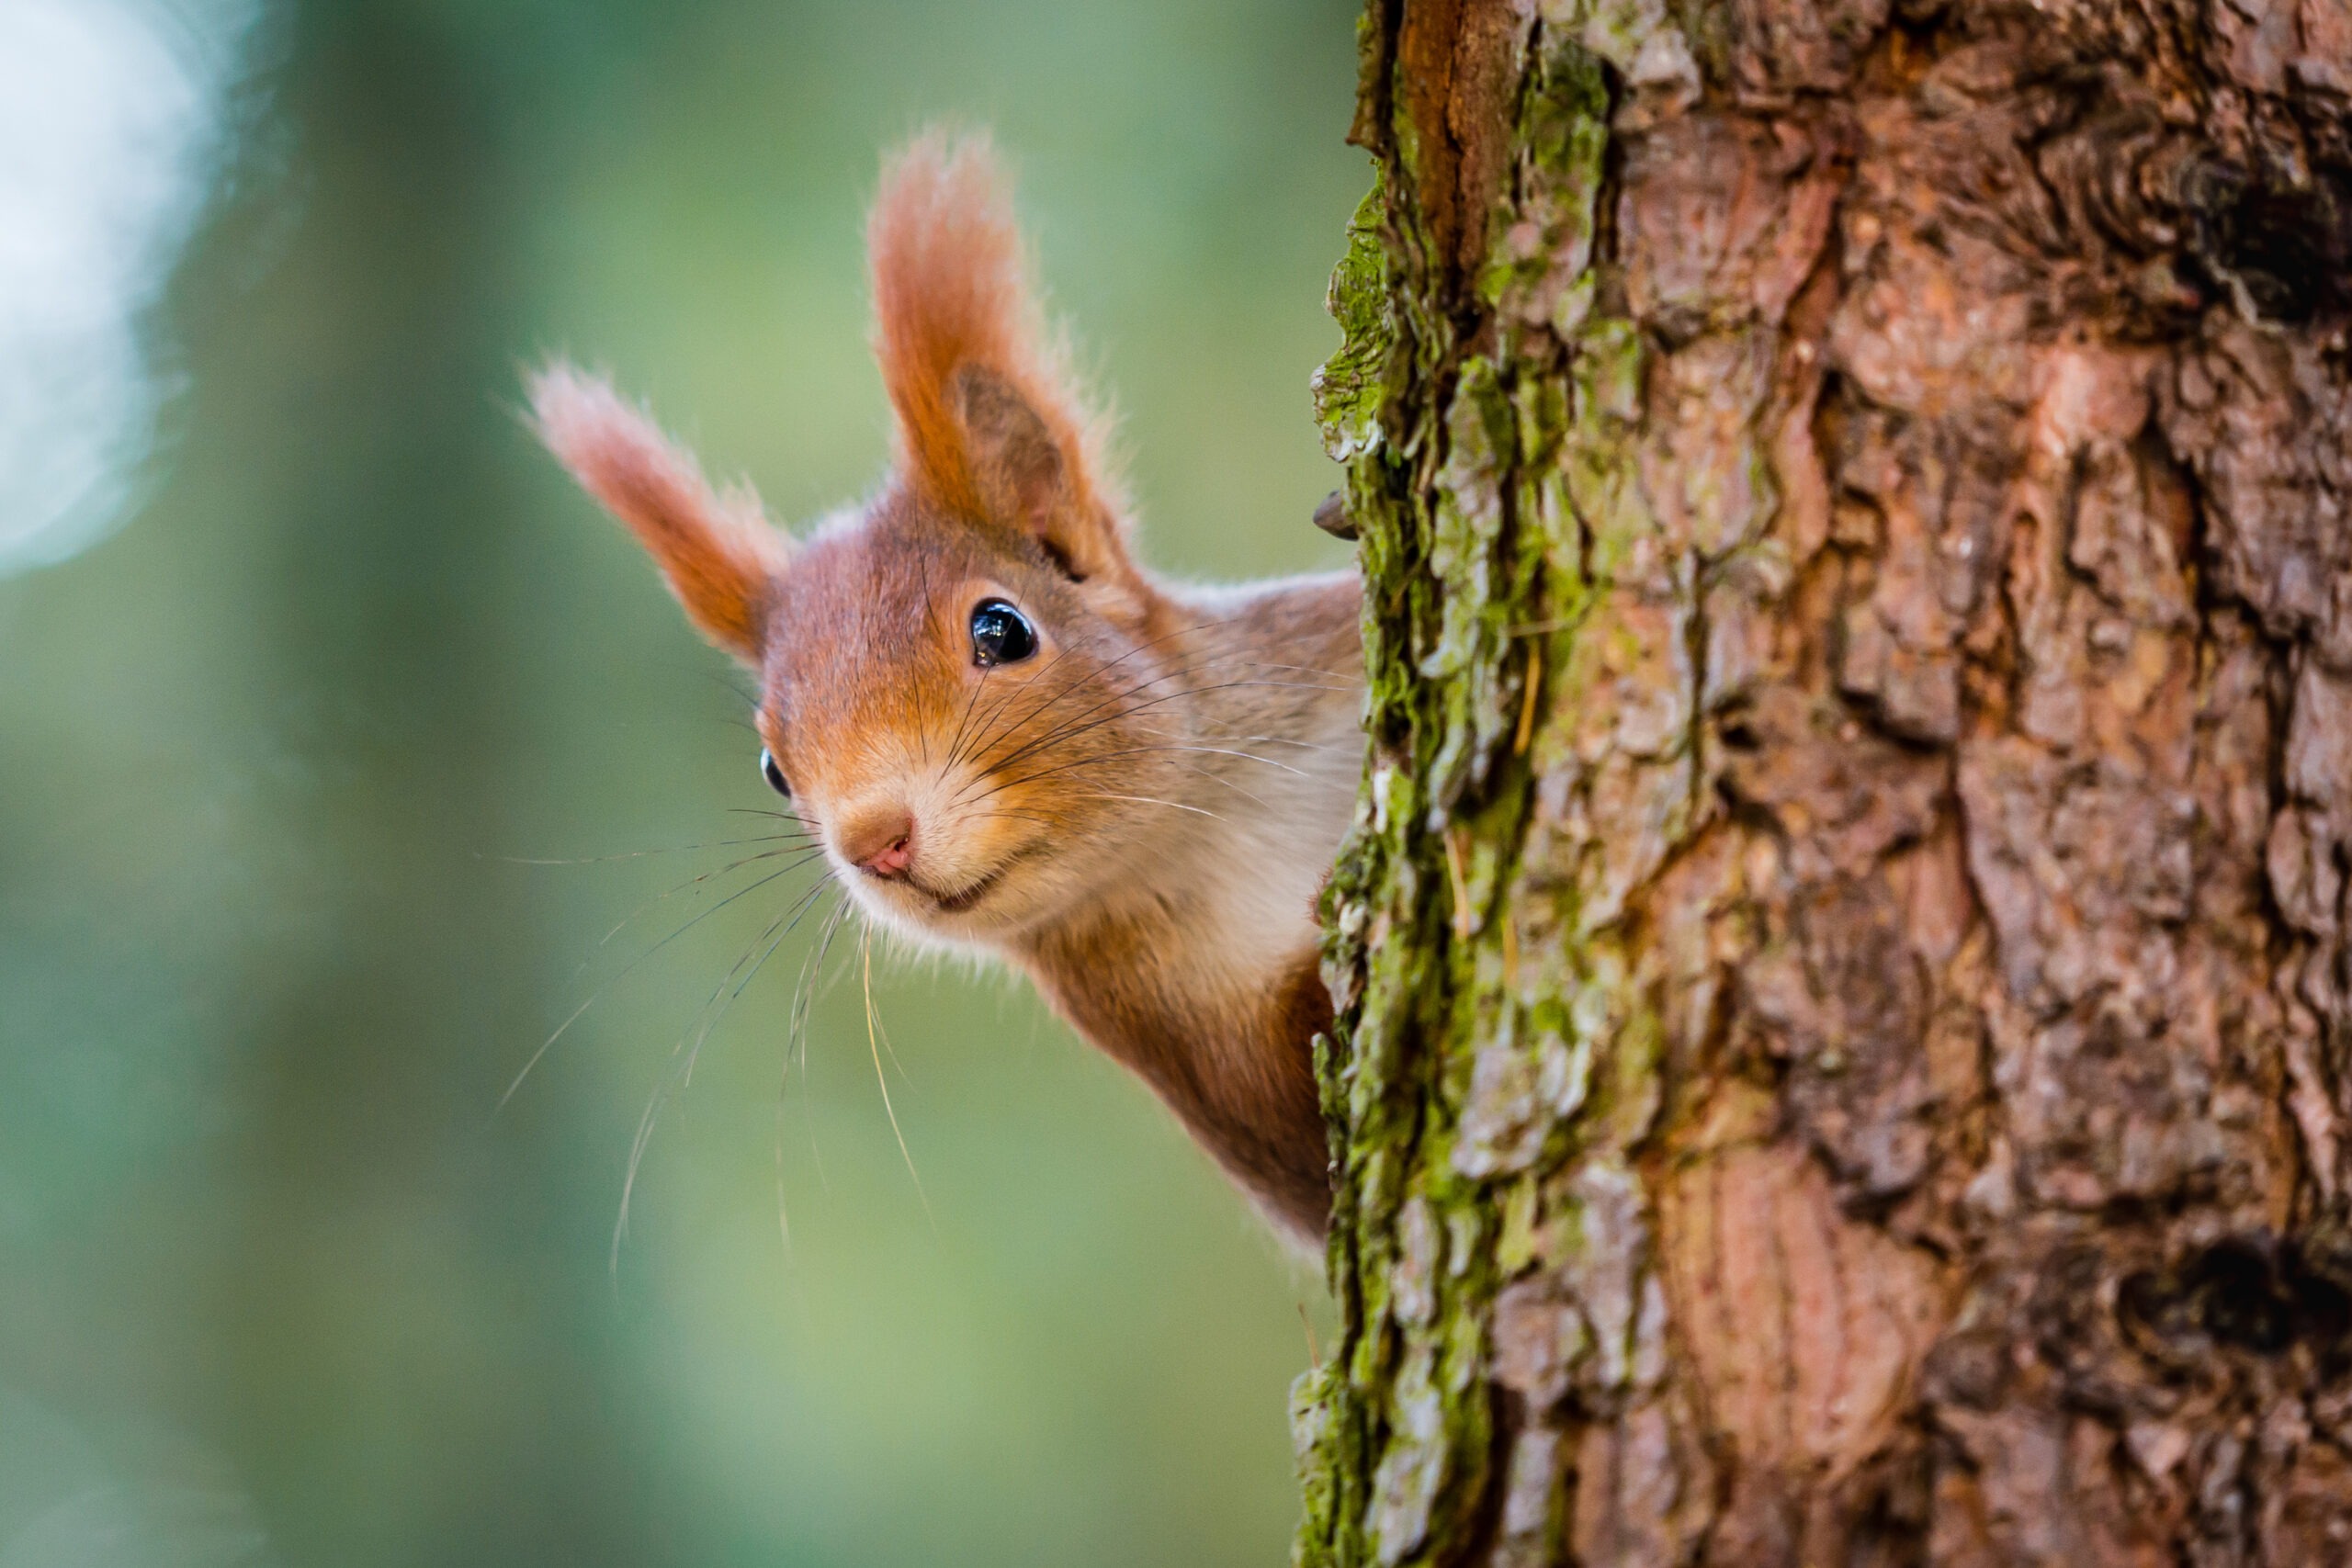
718	551
1136	818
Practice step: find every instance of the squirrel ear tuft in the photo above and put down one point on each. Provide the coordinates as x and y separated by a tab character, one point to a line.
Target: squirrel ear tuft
988	424
718	551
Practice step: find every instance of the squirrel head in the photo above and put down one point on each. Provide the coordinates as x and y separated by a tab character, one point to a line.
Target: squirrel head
967	688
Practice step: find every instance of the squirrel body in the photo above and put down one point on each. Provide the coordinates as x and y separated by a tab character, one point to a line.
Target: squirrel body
1007	735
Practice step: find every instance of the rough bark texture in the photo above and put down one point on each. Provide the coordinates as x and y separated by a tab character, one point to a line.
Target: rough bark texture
1842	971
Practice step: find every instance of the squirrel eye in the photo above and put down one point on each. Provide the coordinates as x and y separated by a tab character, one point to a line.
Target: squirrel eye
1000	634
774	775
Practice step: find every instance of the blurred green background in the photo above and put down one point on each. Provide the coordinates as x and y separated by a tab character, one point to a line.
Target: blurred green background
280	1279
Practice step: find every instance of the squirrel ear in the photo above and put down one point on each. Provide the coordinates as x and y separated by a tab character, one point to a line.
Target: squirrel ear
1017	464
988	424
718	551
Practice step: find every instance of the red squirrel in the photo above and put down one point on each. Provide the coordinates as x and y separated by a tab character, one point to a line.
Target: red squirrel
1009	737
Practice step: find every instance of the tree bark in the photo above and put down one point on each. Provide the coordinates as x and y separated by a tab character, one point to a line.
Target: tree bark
1842	965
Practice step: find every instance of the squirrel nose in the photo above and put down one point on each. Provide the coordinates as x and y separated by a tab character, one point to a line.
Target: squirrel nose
881	842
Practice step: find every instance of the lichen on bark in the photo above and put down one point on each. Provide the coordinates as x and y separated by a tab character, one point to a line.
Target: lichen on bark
1841	963
1487	506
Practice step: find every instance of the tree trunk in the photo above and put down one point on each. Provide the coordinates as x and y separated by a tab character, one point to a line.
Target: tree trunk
1841	964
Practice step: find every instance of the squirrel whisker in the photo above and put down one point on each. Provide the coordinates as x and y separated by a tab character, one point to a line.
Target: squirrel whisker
1179	672
1103	757
626	969
1153	800
684	1056
1074	682
642	854
1163	698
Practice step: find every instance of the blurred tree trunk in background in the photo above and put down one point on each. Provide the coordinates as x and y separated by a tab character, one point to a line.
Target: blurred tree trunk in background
1842	965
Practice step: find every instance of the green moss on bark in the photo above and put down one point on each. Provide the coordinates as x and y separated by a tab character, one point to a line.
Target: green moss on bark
1484	436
